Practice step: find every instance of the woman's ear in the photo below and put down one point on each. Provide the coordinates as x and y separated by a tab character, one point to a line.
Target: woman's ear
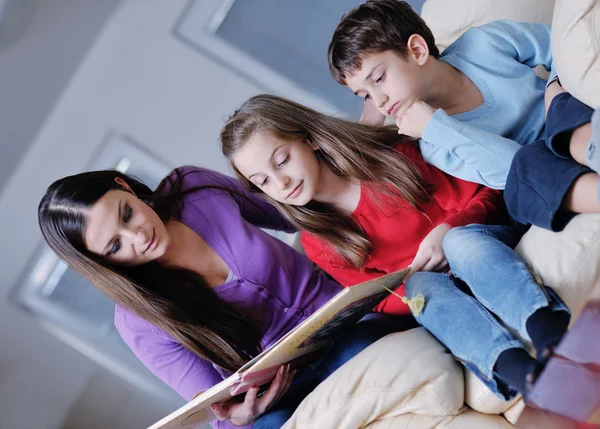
124	185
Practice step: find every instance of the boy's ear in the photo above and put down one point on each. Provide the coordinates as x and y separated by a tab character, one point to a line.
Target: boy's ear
418	49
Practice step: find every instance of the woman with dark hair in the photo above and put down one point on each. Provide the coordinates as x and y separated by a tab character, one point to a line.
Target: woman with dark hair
200	289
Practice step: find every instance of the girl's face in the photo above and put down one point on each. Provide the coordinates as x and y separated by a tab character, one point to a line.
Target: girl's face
125	230
286	170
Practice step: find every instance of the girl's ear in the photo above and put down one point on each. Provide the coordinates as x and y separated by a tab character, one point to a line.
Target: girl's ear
311	144
124	185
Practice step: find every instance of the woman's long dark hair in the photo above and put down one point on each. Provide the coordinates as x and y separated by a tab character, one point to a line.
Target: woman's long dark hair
351	150
178	301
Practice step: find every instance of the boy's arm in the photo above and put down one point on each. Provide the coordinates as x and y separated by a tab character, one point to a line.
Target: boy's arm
527	43
467	152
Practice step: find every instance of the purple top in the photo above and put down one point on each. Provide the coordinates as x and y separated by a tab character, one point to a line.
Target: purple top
271	282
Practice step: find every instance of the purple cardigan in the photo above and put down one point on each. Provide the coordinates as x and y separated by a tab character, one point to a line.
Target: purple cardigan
272	282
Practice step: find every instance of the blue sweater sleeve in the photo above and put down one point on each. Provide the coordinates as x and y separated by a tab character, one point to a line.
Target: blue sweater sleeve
467	152
527	43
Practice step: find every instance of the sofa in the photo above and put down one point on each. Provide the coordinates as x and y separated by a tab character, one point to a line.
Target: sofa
408	380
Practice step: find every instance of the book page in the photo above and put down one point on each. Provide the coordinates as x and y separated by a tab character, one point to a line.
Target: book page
324	326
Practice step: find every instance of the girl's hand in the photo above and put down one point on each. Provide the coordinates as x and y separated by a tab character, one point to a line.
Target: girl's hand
243	413
412	121
430	256
371	115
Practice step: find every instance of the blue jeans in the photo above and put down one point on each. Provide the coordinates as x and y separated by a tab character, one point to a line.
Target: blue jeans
491	287
368	330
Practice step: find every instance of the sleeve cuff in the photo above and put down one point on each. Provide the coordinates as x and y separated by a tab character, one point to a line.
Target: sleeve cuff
441	129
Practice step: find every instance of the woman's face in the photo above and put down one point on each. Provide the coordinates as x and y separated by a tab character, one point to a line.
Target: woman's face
125	230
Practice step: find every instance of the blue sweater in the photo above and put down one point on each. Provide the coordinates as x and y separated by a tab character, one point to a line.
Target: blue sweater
479	145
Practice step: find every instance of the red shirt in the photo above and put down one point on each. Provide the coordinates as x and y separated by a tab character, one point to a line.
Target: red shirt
396	231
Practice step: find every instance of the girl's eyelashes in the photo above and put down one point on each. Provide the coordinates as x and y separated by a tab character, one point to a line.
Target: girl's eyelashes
366	97
285	160
280	164
380	78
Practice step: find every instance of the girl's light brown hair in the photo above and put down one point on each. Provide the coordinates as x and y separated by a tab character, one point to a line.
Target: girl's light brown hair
351	150
176	300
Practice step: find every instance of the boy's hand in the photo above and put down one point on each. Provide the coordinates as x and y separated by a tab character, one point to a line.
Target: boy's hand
243	413
430	256
371	115
412	121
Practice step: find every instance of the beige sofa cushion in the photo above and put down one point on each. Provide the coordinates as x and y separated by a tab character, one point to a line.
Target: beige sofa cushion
468	419
567	261
448	19
576	48
404	373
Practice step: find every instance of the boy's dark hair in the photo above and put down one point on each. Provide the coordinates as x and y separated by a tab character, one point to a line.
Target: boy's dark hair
374	26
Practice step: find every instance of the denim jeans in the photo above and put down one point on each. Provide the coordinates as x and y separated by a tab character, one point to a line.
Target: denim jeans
491	288
368	330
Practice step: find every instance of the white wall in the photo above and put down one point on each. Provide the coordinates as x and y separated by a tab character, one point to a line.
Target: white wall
37	67
138	79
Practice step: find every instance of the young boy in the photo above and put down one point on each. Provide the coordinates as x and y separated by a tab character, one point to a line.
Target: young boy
474	106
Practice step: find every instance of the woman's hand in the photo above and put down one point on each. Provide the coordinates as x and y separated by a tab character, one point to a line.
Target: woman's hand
243	413
430	256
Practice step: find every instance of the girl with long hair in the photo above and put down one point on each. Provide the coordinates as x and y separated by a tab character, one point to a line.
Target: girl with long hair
367	204
200	288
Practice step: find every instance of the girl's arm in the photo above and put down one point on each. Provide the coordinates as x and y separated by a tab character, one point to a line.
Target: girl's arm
348	276
473	203
328	261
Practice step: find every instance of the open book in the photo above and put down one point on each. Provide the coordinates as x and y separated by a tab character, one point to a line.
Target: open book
316	332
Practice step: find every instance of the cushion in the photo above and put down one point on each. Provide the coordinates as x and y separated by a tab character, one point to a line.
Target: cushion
576	48
448	19
405	372
567	261
469	419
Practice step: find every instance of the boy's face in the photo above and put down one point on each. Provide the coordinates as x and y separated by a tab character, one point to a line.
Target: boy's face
392	83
